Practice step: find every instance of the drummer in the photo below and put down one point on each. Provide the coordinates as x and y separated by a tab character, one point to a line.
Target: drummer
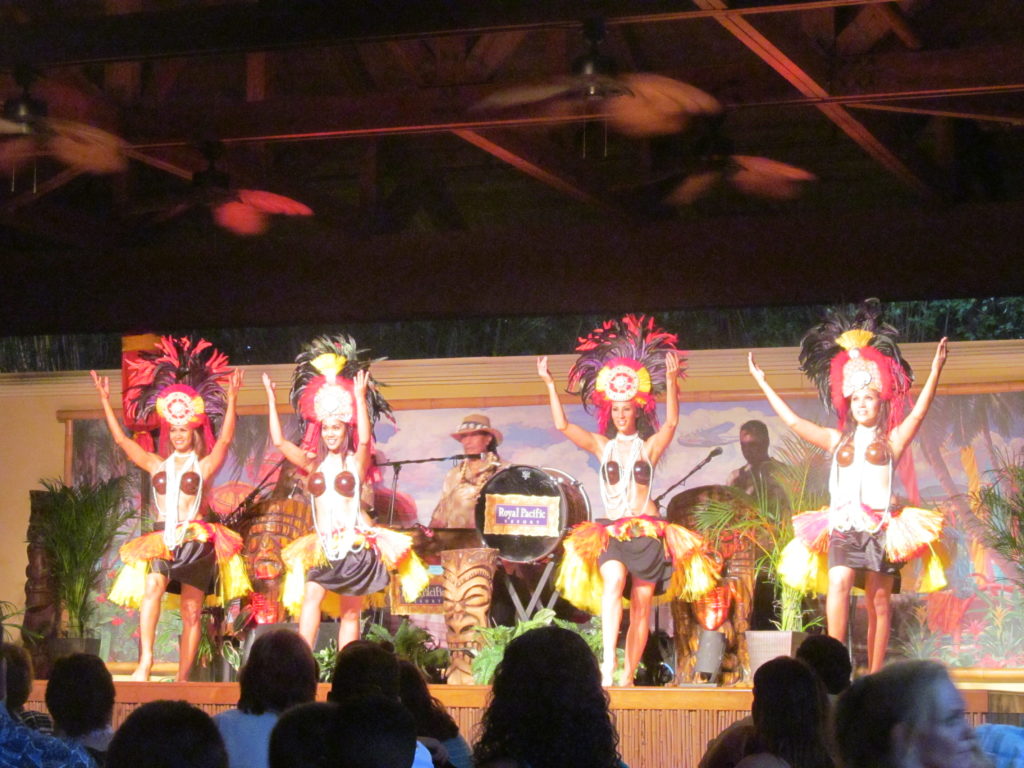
462	484
760	468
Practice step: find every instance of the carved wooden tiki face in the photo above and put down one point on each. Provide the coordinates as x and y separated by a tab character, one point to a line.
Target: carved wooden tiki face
468	576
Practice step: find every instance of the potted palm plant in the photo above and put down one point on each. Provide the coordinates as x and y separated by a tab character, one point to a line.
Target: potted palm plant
76	527
1000	510
799	482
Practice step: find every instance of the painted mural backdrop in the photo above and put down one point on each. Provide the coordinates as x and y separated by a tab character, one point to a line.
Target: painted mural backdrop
978	621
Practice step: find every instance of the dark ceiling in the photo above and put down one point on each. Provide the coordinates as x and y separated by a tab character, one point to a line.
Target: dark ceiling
910	114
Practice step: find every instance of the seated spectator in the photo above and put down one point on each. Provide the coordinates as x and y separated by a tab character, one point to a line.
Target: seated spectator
375	732
1003	745
788	722
167	734
304	737
22	747
19	684
830	659
432	719
547	707
80	695
365	668
907	715
279	673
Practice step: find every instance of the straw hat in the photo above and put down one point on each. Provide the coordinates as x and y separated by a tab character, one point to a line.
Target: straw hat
477	422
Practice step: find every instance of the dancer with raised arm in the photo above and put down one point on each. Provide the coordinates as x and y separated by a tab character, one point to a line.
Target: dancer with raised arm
632	550
863	537
180	382
346	554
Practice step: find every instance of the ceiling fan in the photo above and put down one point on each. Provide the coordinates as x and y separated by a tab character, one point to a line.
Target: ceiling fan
638	104
687	175
27	132
245	212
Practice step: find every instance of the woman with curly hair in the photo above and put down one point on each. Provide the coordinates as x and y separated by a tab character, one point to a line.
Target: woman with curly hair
547	707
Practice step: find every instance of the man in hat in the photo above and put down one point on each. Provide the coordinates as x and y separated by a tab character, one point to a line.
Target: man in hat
462	484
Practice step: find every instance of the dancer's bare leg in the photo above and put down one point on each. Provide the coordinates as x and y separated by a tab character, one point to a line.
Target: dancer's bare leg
614	575
837	601
878	587
309	616
191	616
640	598
149	615
348	628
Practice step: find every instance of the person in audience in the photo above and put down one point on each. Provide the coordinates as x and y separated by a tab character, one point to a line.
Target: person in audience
19	684
365	668
908	715
167	734
22	747
375	732
830	659
303	737
547	707
432	719
279	673
80	695
788	725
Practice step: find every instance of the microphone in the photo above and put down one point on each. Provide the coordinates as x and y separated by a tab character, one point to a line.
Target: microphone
716	451
463	456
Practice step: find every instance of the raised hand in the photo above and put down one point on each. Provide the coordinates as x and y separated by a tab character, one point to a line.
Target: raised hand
940	355
755	369
360	382
542	370
235	382
269	385
102	384
671	366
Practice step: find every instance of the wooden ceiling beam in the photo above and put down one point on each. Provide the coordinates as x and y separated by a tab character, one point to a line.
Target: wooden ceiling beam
802	80
529	158
247	27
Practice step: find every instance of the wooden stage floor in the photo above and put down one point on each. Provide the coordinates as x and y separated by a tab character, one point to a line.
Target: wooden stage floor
657	726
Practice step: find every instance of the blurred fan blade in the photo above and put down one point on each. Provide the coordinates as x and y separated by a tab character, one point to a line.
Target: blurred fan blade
526	94
695	186
269	202
14	127
87	148
763	177
657	105
241	218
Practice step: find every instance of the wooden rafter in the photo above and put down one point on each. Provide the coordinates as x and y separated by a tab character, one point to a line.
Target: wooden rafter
803	81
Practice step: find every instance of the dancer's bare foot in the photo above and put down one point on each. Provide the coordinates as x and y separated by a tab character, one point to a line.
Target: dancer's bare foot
141	673
606	674
627	680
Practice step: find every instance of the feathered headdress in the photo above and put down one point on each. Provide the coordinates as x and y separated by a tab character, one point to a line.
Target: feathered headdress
842	356
180	383
620	361
322	386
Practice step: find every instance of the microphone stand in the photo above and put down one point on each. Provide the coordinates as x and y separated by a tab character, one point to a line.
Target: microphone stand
700	465
396	467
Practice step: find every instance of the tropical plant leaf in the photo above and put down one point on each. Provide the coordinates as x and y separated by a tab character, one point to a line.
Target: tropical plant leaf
76	530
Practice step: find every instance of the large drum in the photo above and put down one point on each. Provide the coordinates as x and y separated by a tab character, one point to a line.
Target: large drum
524	511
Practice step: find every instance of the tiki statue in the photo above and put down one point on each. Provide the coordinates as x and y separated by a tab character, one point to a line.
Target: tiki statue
468	579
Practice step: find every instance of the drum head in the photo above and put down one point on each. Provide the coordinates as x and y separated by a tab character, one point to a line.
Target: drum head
524	511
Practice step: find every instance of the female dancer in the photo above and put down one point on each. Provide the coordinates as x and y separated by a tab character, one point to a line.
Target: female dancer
346	554
624	365
180	384
859	371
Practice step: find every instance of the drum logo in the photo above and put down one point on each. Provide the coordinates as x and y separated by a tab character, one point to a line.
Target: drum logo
516	514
